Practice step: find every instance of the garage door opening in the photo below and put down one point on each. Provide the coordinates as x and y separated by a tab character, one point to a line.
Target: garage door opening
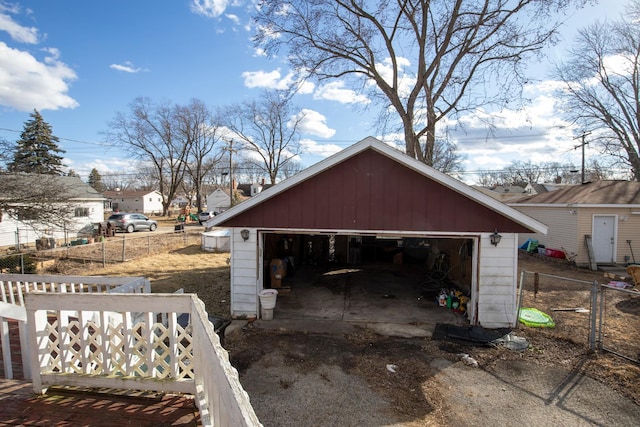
369	278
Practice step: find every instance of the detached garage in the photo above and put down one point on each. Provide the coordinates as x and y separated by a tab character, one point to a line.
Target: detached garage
372	208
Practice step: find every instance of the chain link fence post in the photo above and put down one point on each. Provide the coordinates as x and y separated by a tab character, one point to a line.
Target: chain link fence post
594	315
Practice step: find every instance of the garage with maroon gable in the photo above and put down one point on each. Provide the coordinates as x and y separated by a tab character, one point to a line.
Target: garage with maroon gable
371	206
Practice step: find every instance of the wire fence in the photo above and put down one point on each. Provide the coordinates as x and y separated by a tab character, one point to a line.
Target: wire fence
592	315
619	324
120	248
566	300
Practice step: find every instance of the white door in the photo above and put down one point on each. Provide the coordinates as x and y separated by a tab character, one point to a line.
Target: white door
604	241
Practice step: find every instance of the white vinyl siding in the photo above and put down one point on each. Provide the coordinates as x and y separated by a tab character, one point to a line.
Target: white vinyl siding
562	223
567	230
497	280
244	274
628	228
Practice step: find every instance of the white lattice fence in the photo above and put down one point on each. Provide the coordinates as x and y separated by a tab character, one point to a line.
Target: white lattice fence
13	288
121	341
112	340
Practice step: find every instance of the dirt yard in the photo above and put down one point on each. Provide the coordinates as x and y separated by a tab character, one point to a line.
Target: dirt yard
366	379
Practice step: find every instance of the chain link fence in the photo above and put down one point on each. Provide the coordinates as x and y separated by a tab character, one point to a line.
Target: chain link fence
566	300
592	315
619	323
119	248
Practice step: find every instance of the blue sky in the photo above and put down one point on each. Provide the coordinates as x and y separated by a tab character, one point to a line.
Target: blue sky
80	62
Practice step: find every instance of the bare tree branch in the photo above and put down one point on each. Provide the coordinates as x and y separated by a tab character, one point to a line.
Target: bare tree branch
428	60
267	130
601	86
151	133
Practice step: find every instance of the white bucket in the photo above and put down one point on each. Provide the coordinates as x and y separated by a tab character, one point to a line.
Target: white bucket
266	313
268	298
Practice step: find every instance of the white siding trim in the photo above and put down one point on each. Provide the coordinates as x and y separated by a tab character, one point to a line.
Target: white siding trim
498	270
244	274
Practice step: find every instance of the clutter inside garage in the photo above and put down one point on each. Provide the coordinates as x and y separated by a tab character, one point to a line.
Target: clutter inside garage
422	271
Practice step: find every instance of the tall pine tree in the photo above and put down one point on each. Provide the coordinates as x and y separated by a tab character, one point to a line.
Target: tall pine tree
37	150
95	181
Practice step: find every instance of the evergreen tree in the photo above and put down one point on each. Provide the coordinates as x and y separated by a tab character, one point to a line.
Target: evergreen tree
37	150
95	181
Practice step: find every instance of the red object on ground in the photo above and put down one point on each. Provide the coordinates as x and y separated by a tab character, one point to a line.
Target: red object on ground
554	253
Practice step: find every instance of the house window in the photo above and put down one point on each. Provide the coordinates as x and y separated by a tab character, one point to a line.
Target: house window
151	199
79	212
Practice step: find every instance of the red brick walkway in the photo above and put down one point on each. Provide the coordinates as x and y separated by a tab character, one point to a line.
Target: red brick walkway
59	407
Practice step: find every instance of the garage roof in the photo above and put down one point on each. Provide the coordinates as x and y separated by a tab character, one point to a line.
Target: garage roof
373	187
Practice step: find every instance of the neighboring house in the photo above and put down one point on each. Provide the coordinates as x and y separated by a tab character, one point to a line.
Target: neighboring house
608	211
86	207
369	197
250	190
218	200
180	201
142	201
503	193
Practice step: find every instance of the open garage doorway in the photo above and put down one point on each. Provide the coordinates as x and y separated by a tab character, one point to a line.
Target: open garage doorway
370	278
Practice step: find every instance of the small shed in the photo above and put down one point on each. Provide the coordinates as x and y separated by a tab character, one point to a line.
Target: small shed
371	204
216	240
606	213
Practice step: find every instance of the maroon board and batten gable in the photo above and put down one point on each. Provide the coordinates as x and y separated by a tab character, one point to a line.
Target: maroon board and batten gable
371	191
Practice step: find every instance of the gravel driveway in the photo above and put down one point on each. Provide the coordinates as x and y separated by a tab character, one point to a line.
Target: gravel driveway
353	377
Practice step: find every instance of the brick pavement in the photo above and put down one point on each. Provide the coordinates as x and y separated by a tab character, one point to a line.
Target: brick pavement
85	407
72	407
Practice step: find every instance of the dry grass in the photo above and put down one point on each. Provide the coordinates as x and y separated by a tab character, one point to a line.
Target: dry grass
192	269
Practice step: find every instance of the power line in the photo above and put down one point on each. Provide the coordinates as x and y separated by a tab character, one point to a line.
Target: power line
102	144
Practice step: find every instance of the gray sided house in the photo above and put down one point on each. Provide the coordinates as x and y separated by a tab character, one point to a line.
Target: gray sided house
83	204
375	199
607	211
218	200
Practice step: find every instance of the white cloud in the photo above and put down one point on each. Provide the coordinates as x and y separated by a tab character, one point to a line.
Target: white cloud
405	82
127	67
274	80
335	91
26	83
314	123
209	8
233	18
263	79
18	32
311	147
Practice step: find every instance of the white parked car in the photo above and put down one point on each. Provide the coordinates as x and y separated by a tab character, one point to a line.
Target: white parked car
205	216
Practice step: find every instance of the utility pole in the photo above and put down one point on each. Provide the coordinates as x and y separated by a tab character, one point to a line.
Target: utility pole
231	151
584	134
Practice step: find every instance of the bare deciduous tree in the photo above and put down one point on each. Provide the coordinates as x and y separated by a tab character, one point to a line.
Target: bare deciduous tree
601	86
427	59
525	172
196	124
291	169
150	132
266	129
447	159
32	199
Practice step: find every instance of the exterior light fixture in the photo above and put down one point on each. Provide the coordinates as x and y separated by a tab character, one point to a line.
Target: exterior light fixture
495	238
245	234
